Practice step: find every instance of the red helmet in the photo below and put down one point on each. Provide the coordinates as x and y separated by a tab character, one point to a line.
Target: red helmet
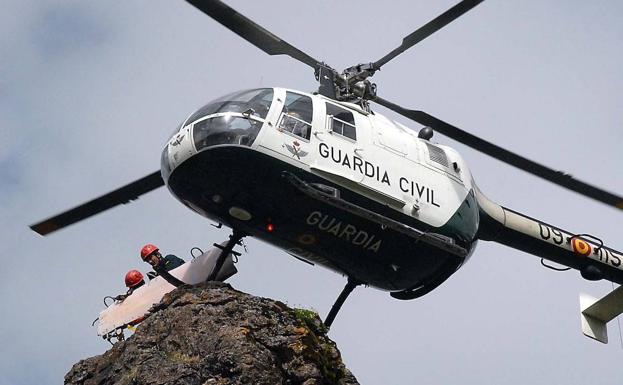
133	278
148	250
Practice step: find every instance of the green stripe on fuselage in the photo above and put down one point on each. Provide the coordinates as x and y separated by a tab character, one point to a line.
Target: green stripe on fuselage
463	225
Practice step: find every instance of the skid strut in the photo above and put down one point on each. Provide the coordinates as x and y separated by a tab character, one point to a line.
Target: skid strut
350	286
234	238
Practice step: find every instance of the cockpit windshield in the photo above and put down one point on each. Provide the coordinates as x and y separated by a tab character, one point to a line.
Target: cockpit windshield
225	129
257	100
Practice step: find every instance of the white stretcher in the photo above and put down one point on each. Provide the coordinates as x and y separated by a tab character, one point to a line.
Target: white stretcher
132	309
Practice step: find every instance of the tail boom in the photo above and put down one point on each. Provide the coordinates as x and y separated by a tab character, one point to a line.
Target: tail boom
578	251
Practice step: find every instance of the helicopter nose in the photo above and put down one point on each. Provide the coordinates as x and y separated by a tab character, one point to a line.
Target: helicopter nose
178	149
165	164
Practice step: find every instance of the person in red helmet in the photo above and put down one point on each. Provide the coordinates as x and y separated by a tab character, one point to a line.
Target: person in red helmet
133	280
162	265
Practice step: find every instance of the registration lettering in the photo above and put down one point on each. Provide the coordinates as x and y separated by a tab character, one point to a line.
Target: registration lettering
580	246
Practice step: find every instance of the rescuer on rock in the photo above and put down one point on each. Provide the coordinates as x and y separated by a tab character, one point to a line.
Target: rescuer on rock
133	280
162	265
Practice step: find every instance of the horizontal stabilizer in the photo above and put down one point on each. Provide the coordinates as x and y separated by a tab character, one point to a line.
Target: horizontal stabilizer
597	313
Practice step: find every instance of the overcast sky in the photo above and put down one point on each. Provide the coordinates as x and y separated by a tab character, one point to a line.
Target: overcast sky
90	91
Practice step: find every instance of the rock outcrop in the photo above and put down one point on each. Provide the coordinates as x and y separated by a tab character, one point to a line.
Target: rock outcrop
211	334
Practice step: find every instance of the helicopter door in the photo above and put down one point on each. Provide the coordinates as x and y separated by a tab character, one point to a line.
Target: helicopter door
295	126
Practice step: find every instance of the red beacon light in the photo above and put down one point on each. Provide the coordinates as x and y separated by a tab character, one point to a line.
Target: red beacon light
270	227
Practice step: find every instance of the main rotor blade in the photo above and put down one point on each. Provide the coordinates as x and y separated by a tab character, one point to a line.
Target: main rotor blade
121	195
558	177
250	31
428	29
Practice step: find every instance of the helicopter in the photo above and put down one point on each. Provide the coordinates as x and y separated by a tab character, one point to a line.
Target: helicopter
364	196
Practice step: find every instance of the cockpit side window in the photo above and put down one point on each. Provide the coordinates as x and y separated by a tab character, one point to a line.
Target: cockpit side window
296	117
341	121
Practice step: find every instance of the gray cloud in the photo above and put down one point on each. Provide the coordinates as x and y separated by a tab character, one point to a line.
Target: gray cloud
65	29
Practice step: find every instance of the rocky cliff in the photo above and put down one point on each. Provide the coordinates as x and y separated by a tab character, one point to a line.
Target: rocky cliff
211	334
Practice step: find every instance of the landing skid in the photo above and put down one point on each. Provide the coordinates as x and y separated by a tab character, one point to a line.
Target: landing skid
420	290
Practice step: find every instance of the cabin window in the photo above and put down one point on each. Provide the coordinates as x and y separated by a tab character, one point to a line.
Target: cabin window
341	121
296	117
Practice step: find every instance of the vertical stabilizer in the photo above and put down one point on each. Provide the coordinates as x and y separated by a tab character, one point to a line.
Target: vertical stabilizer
595	314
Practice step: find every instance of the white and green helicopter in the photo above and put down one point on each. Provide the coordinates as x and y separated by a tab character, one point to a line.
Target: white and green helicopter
332	182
